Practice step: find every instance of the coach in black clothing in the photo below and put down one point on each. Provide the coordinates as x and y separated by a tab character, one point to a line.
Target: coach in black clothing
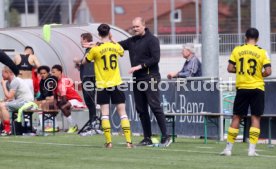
87	75
144	52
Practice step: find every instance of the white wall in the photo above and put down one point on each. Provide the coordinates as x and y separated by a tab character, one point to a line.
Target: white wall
32	20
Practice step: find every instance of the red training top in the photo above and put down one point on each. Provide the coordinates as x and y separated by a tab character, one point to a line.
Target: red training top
65	88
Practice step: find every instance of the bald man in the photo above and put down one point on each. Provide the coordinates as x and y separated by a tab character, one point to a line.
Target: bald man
144	52
16	94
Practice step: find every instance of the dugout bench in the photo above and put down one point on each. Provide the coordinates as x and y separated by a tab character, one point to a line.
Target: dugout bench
27	114
49	114
209	119
46	115
264	116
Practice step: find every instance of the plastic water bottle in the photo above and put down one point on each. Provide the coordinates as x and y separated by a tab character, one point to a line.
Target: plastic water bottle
27	122
155	145
165	105
226	111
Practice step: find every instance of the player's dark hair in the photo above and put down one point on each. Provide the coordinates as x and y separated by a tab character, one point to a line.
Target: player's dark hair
58	67
43	67
252	33
103	30
87	36
29	47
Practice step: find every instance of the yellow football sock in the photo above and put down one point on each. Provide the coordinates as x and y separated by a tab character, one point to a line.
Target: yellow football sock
232	135
254	134
126	128
107	129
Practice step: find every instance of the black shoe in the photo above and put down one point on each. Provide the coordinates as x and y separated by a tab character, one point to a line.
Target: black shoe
145	142
165	141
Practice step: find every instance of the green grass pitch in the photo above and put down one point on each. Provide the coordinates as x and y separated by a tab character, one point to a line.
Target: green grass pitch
75	152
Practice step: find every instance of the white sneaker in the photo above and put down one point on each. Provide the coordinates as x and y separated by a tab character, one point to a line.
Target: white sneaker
226	152
165	142
252	154
88	133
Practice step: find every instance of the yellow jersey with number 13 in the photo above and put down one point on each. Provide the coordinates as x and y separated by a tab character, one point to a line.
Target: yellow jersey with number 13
249	61
106	64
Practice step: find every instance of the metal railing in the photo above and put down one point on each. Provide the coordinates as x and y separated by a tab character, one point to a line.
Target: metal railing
273	42
227	42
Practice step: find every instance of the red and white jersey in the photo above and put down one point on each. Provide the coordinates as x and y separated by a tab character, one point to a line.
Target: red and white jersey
65	87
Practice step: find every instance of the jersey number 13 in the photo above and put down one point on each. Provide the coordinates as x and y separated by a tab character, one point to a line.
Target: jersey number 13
252	66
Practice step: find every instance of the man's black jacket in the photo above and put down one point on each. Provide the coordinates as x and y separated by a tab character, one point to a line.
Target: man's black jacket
145	51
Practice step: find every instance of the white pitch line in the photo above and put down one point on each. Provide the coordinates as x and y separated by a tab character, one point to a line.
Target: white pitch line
57	144
85	145
205	147
205	152
153	149
188	151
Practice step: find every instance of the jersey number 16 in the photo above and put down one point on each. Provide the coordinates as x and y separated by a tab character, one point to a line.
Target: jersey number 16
112	61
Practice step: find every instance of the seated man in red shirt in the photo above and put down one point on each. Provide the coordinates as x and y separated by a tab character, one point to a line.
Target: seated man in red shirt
66	97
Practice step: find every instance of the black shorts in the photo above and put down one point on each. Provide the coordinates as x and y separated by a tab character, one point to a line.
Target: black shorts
114	93
249	97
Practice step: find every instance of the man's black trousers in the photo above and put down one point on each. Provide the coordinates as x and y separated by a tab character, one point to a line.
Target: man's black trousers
147	94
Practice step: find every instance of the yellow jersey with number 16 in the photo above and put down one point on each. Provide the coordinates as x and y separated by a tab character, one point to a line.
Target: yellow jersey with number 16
106	64
249	61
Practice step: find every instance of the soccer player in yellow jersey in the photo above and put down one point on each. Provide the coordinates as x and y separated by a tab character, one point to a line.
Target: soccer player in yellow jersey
108	81
251	64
